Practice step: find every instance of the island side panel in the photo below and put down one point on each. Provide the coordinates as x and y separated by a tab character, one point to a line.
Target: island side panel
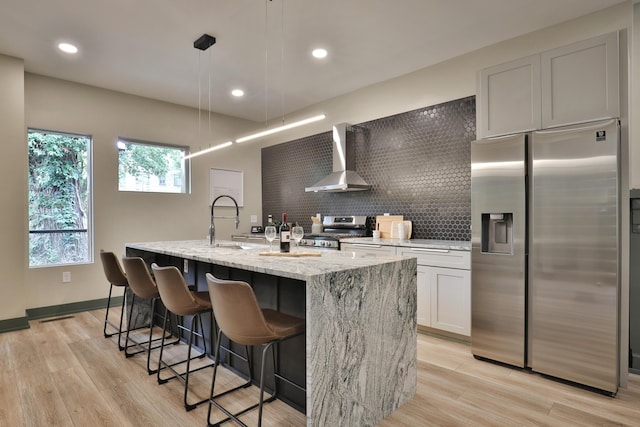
278	293
361	343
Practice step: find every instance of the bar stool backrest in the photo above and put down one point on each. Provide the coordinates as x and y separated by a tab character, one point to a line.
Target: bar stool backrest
140	280
112	269
174	292
237	312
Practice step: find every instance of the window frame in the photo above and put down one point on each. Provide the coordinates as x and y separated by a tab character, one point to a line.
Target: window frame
185	165
90	230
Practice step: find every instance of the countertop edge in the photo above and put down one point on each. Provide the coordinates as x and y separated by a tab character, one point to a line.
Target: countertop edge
452	245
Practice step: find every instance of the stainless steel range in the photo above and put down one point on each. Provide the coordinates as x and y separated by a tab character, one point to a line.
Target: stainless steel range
336	228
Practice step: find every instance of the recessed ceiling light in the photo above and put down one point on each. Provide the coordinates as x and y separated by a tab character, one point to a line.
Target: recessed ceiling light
68	48
319	53
237	92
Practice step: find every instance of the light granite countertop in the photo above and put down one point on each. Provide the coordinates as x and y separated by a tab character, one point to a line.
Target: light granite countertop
360	311
247	256
452	245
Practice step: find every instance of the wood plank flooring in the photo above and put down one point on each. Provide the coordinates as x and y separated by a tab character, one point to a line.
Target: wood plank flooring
65	373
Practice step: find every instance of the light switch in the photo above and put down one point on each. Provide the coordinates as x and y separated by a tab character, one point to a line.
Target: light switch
254	219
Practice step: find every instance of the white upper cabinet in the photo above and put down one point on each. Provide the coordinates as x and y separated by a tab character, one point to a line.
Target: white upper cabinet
509	98
572	84
580	82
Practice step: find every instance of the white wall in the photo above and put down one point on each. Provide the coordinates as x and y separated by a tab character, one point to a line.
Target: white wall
452	79
121	217
13	187
126	217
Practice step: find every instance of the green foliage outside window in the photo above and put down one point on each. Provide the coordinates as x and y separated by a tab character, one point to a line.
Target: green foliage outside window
150	168
58	198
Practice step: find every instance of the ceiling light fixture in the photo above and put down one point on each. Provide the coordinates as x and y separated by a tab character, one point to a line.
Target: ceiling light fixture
319	53
281	128
208	150
237	93
67	48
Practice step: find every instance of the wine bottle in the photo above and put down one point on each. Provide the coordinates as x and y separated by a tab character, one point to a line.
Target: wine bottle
285	235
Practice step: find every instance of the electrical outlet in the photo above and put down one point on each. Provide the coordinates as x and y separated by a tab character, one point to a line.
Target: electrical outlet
254	219
66	277
186	266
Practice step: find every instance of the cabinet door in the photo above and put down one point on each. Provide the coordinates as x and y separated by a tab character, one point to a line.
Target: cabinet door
450	300
580	82
424	296
508	100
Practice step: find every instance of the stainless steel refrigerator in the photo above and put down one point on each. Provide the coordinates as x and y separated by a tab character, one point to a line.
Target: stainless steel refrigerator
545	252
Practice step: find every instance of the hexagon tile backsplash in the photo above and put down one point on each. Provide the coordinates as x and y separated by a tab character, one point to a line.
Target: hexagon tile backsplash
418	164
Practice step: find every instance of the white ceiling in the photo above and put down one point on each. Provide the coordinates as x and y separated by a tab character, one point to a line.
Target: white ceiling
145	47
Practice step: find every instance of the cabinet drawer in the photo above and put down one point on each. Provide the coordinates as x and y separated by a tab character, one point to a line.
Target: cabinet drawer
370	248
439	257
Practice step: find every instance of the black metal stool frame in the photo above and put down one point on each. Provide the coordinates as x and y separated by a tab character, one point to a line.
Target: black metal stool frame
184	376
148	346
262	401
113	325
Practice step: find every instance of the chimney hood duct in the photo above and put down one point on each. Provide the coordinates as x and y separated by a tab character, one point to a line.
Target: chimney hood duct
344	177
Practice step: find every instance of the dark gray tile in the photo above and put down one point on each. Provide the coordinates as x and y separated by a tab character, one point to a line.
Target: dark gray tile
418	164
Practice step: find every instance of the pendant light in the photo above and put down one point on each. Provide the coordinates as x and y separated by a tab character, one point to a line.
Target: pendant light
203	43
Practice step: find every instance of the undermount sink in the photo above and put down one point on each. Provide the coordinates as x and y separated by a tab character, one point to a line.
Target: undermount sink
230	246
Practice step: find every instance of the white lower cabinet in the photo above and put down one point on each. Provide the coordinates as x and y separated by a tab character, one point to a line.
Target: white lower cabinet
450	299
424	296
444	284
444	294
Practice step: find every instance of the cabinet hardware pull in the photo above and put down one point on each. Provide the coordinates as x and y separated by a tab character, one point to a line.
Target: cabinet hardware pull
430	250
364	245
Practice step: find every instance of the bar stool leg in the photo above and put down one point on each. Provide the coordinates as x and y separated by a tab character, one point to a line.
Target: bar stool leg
107	322
106	317
120	346
265	348
212	402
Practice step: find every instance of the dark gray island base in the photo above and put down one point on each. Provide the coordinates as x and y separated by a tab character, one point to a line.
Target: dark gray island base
358	357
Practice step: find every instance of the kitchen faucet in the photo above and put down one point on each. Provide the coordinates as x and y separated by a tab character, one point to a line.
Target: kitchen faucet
212	227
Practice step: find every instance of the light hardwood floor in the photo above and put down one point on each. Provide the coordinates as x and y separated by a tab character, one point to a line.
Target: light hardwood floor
65	373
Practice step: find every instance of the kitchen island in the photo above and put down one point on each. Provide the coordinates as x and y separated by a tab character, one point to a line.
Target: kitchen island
359	350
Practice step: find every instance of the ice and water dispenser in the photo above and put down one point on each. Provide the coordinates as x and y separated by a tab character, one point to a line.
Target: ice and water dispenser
497	233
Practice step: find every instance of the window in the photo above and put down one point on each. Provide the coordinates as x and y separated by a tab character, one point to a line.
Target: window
59	198
151	167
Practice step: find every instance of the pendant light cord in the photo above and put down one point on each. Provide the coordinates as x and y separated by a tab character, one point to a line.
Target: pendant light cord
282	58
199	95
210	67
266	63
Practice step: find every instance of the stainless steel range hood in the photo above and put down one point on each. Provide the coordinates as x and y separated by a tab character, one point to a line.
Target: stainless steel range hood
344	177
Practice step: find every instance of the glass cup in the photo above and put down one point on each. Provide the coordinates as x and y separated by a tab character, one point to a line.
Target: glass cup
270	234
297	234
